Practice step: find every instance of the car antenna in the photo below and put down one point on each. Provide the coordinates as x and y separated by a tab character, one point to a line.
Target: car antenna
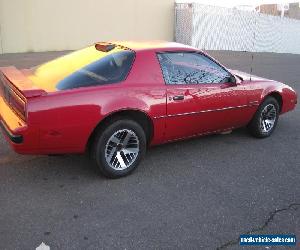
251	68
253	48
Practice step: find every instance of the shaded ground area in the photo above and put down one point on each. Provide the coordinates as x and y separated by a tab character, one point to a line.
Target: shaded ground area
196	194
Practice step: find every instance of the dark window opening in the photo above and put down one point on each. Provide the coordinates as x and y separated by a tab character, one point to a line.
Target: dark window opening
191	68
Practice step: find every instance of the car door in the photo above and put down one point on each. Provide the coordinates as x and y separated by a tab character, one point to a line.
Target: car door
202	96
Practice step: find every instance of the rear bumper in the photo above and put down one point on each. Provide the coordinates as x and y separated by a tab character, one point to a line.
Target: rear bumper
18	139
16	132
22	139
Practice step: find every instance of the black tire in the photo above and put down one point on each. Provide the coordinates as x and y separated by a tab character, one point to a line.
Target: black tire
255	125
102	142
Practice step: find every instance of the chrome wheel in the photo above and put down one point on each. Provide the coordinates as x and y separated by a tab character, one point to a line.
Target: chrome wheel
268	118
122	149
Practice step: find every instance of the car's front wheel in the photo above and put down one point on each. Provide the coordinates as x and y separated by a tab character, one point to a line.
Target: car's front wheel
119	148
265	119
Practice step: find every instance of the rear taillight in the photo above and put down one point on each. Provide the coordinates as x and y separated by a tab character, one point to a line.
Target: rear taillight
16	102
18	105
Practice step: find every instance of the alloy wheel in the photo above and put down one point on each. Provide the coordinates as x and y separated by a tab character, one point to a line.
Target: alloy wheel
268	118
122	149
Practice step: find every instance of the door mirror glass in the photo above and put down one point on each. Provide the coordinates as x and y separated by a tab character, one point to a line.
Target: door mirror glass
232	79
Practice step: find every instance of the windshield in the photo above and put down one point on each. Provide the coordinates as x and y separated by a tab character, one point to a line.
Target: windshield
82	68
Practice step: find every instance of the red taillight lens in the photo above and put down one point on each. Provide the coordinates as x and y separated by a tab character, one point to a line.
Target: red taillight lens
18	105
13	99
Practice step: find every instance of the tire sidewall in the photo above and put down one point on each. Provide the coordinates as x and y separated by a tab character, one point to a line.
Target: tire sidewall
102	139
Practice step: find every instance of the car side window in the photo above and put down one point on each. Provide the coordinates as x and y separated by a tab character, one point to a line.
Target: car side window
191	68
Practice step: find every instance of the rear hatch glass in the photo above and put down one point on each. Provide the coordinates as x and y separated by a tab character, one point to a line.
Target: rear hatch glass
83	68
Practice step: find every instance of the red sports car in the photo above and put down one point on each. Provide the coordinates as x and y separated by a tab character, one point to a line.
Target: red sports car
116	99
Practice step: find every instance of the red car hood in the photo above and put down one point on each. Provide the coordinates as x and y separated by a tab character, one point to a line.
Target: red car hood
247	76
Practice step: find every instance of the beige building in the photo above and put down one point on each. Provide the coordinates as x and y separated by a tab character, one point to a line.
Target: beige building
51	25
291	10
294	10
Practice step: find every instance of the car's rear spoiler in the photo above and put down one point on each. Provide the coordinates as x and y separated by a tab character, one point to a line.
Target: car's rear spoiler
20	82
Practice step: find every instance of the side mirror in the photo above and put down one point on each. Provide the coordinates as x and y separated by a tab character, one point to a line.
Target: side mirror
232	79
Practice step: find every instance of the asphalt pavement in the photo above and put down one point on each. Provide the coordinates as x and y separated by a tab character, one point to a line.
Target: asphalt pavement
196	194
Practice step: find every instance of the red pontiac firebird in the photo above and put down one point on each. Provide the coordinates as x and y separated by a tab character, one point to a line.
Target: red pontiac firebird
115	99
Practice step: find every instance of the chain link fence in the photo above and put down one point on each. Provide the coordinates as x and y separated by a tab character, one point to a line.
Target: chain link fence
218	28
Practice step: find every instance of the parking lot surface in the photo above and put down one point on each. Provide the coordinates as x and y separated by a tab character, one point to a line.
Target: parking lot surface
196	194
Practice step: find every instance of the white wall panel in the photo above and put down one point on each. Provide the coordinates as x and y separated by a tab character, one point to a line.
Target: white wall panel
216	28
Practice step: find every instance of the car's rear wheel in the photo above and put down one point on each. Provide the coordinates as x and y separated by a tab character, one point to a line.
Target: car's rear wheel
119	149
265	119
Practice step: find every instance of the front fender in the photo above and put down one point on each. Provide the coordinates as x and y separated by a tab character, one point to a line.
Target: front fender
287	94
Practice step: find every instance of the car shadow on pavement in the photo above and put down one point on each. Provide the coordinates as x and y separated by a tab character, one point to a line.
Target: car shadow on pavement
159	159
80	165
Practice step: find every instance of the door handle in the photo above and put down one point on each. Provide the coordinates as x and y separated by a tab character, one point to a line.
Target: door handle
178	97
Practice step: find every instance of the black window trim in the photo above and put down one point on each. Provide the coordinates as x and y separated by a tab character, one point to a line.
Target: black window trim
193	52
